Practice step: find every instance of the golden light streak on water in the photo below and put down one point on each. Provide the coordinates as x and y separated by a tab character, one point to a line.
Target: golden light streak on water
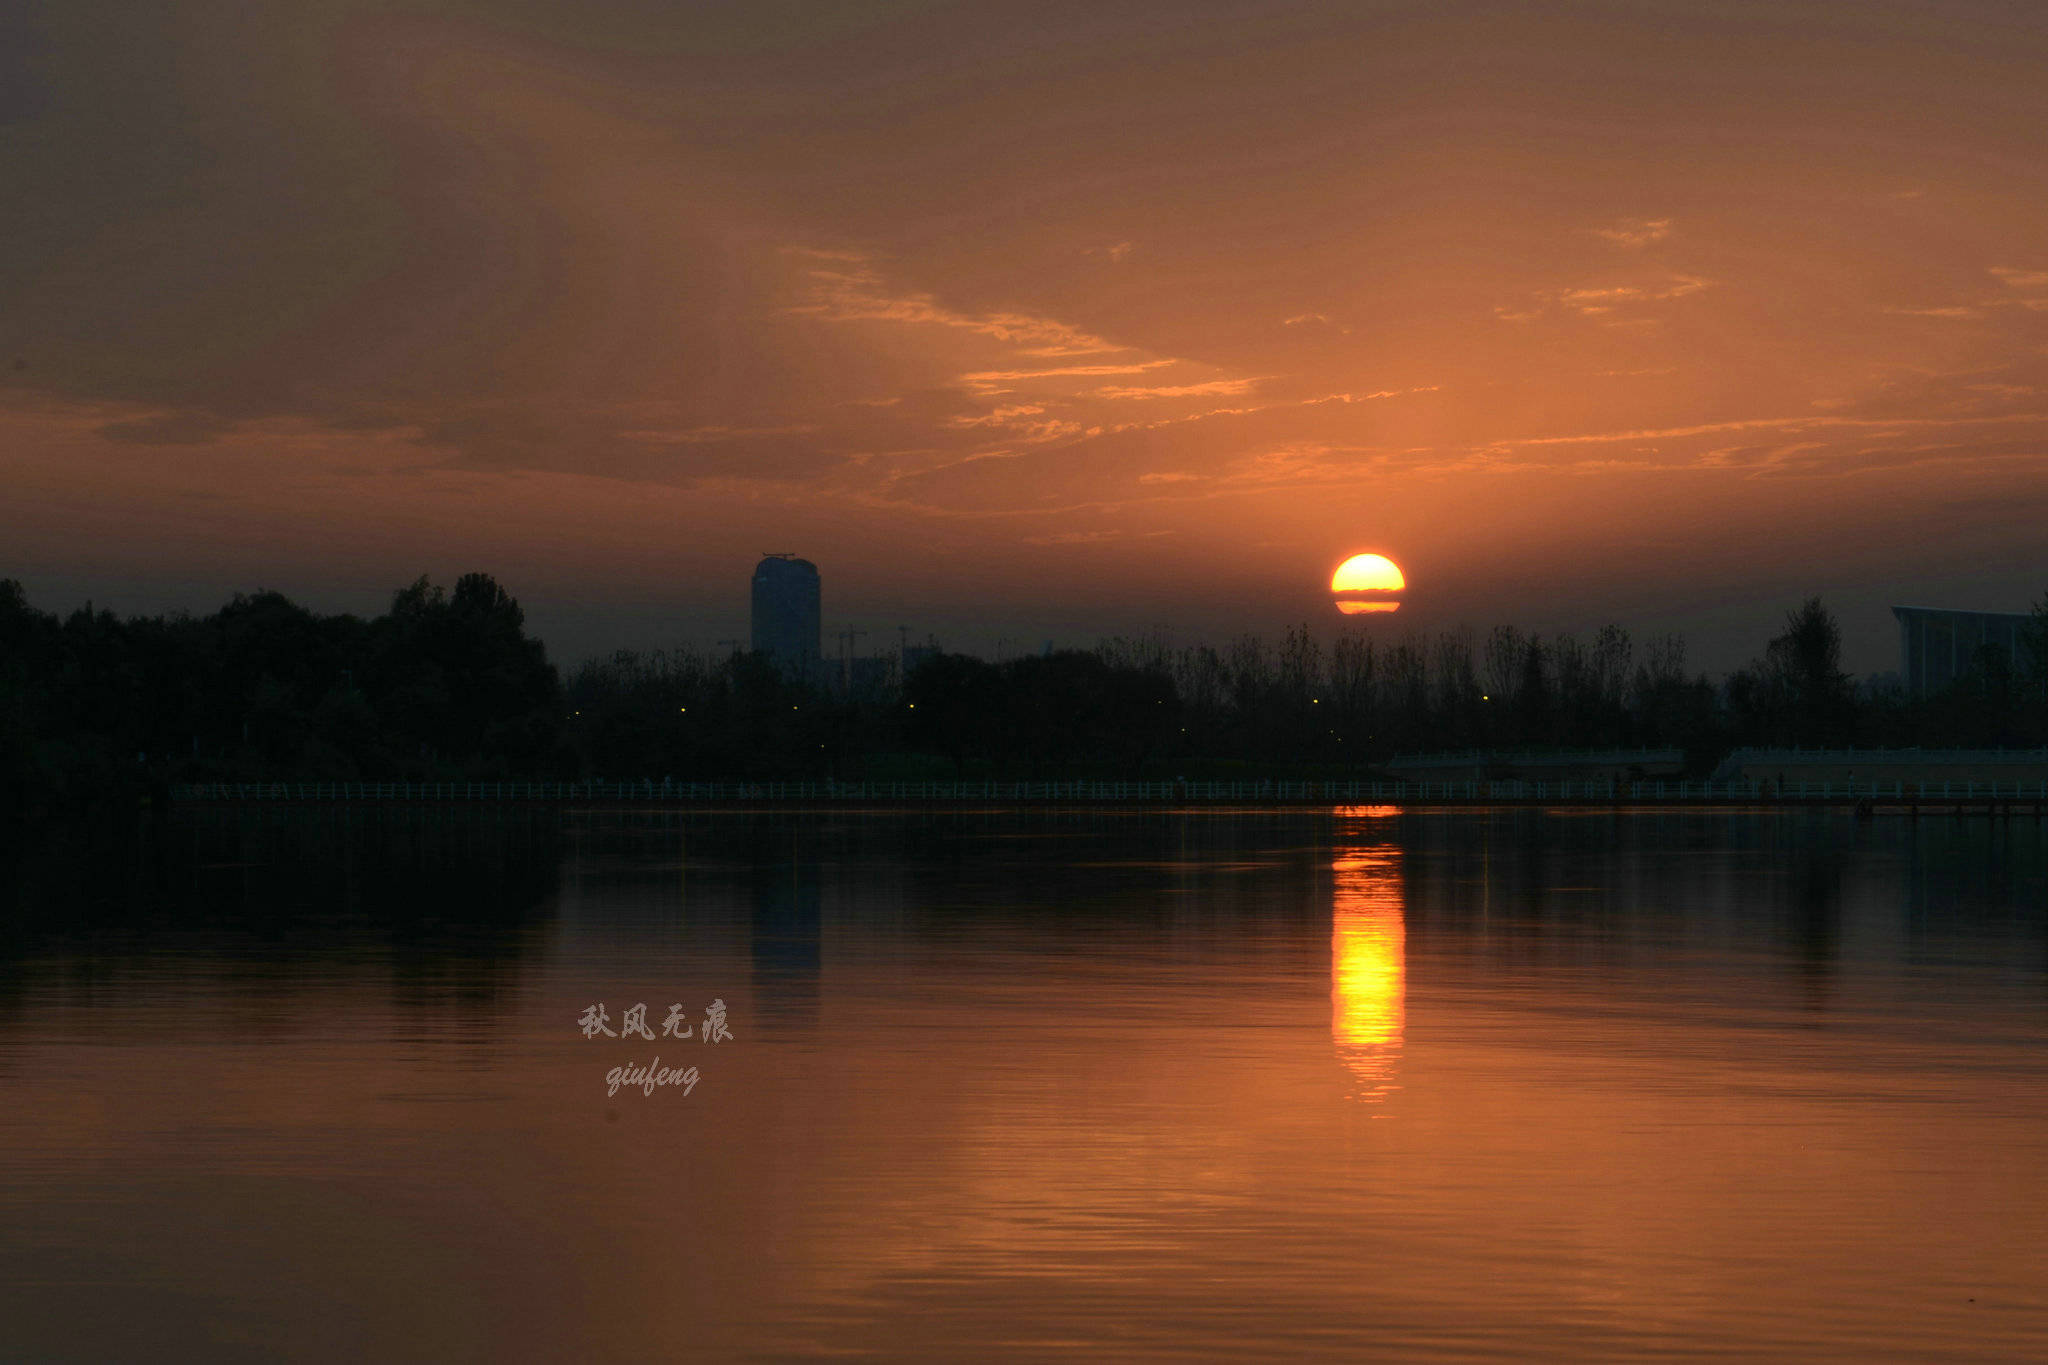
1368	972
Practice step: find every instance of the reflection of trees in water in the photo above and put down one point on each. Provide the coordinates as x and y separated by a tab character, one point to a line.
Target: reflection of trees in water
268	901
759	874
1368	968
408	871
1815	917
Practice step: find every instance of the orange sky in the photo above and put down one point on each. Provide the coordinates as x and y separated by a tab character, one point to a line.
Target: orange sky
1035	321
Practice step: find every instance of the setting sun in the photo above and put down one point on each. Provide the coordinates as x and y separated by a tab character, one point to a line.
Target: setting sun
1370	575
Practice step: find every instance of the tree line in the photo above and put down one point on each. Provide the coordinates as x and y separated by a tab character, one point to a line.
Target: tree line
448	686
94	707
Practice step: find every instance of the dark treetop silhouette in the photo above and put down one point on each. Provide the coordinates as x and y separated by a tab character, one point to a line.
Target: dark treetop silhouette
95	709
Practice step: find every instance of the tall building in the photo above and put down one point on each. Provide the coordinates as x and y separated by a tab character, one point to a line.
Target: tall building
786	615
1936	647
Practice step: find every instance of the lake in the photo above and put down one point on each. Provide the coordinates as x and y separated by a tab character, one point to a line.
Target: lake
327	1083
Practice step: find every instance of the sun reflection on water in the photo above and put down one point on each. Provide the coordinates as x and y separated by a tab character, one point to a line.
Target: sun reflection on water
1368	988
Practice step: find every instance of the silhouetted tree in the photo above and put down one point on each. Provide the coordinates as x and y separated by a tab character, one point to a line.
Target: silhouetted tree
459	683
1797	693
954	701
1504	650
1532	704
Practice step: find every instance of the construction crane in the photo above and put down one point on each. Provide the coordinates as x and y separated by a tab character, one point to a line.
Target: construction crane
847	640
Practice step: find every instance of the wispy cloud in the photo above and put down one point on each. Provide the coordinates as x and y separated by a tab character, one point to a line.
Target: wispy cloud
2024	288
1099	536
1214	388
1635	233
693	436
1803	422
842	290
1370	397
2023	280
1955	312
1002	416
1021	421
1592	302
994	381
1602	301
1317	320
1114	252
1253	409
1753	456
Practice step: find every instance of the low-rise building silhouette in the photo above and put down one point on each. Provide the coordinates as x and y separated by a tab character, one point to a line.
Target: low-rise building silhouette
1936	647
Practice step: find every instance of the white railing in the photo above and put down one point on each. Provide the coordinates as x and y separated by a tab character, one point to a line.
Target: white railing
1608	758
1797	755
1336	793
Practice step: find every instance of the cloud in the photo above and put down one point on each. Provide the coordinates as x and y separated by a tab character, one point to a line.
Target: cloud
1114	252
1214	388
1952	311
1316	319
1096	537
714	434
1592	302
1252	409
1023	421
1002	416
1754	456
854	291
1369	397
1759	424
2021	279
990	381
1635	233
1600	301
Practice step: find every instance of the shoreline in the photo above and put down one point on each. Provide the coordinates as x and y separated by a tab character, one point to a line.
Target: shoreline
1865	798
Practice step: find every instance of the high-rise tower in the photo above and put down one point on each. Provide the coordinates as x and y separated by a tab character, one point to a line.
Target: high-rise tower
786	617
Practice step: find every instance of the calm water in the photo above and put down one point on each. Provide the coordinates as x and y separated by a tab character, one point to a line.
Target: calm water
310	1084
